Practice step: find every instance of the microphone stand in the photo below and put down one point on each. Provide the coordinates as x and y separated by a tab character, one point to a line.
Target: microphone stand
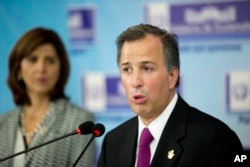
83	151
97	130
40	145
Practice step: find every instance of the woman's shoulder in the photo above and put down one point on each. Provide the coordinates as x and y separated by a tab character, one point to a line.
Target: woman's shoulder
70	115
72	109
9	115
71	106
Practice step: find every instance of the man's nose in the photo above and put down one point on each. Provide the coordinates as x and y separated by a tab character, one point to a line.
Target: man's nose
136	79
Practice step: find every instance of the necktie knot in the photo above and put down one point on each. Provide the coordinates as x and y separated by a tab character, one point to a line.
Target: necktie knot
146	138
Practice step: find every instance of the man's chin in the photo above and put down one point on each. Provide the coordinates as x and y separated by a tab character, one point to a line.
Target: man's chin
139	109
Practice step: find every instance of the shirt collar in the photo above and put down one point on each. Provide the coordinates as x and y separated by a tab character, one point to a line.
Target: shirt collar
156	126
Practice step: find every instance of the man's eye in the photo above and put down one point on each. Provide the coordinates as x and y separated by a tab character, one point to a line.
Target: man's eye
126	69
147	69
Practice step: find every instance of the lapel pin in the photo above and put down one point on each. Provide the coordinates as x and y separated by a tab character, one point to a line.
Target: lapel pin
171	154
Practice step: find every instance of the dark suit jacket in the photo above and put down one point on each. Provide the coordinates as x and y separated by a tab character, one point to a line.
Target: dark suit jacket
197	139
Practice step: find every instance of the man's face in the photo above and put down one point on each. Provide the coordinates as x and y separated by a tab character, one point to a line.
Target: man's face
148	84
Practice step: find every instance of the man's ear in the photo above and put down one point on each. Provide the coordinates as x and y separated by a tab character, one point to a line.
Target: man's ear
173	77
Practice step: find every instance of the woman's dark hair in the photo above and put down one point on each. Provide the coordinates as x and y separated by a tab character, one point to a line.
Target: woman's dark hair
23	48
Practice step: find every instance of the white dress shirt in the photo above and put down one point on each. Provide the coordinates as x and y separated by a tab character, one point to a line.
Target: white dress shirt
156	127
18	161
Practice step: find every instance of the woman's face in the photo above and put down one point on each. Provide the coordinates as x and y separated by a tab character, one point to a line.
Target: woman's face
40	70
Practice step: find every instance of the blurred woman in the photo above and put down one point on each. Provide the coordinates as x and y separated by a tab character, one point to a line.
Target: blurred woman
38	72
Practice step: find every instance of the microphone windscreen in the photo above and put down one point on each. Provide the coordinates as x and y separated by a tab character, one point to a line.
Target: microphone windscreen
98	130
86	128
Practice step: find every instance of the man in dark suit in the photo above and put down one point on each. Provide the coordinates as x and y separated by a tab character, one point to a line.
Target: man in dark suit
183	136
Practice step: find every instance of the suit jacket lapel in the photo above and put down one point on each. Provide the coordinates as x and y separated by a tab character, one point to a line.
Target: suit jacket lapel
129	145
168	149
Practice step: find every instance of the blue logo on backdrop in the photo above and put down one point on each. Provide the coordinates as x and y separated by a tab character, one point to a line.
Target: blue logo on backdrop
116	97
104	93
240	91
82	27
202	19
238	94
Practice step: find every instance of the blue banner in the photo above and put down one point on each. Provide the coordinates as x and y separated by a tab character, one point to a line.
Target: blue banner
201	19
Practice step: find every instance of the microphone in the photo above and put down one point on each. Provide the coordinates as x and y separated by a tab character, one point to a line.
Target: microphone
97	131
83	129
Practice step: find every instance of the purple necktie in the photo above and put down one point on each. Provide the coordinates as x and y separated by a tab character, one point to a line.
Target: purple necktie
144	148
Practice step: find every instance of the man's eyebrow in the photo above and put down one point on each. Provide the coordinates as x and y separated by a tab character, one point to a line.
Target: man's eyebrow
124	64
142	62
147	62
